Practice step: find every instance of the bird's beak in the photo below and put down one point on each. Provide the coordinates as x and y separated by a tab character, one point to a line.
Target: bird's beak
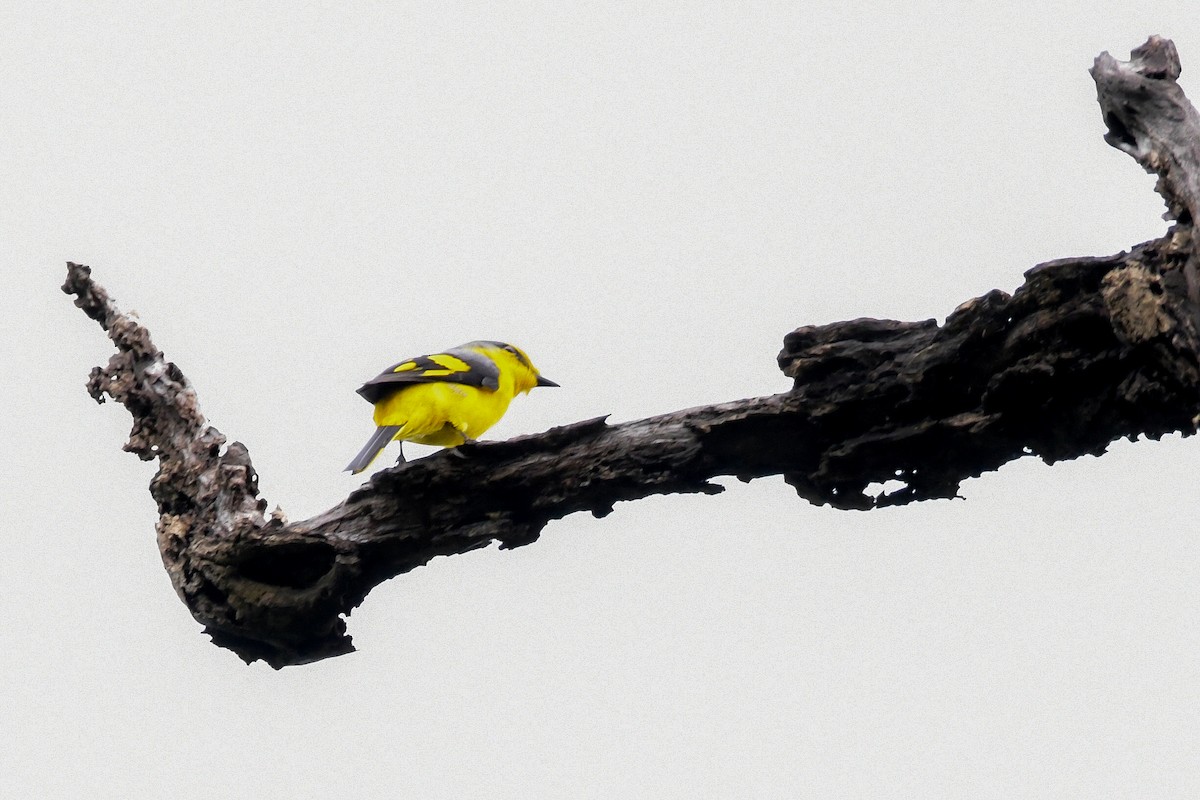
545	382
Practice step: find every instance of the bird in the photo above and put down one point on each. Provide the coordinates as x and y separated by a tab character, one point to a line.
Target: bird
447	398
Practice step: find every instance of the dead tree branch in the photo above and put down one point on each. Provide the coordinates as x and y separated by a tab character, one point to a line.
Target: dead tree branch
1086	351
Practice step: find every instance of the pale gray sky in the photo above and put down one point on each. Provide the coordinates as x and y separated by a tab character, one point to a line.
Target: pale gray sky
293	196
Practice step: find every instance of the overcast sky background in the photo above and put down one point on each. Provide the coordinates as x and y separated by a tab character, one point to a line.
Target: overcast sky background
293	197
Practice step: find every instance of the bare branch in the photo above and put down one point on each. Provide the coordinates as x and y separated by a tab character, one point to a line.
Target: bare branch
1086	351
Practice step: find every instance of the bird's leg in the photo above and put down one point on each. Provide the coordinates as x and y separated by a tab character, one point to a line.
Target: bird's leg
465	440
400	458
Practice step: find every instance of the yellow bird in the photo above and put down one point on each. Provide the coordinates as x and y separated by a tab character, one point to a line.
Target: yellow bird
446	398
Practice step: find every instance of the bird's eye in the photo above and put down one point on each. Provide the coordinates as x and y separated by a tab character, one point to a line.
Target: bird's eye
510	349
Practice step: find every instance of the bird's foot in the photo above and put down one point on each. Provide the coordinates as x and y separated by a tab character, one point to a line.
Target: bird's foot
464	449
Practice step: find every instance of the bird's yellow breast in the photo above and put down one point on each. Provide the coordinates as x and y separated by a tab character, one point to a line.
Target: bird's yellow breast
443	413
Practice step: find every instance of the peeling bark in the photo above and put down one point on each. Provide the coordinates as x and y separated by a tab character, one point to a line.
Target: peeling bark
1086	351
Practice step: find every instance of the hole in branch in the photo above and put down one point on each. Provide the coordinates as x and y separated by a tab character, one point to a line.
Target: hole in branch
295	564
878	489
1118	131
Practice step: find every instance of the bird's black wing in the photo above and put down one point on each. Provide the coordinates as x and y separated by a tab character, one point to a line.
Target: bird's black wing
459	365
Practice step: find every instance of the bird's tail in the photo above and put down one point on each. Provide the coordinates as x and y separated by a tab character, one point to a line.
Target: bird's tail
374	446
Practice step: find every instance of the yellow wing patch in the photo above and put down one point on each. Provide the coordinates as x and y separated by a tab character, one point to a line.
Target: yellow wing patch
451	363
428	366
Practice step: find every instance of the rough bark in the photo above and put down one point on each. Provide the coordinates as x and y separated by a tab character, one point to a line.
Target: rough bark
1086	351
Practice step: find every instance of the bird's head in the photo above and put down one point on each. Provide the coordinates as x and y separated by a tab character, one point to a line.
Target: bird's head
513	361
